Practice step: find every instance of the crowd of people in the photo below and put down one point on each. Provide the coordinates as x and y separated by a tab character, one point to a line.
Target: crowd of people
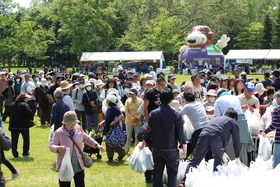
143	106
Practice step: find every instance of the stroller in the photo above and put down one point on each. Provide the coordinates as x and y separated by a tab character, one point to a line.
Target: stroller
90	150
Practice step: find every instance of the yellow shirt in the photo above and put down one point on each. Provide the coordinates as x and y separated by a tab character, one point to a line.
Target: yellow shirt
131	107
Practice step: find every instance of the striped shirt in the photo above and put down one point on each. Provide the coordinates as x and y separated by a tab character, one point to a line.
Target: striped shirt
275	124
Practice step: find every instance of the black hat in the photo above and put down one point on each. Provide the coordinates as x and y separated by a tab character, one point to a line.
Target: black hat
110	80
128	85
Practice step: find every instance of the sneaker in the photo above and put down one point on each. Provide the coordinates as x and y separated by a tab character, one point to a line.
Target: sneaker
119	159
15	176
26	154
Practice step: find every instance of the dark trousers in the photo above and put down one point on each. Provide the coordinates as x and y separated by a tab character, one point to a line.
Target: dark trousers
195	137
79	179
45	114
170	159
26	141
81	114
149	173
1	104
110	151
7	163
206	142
5	115
2	179
32	106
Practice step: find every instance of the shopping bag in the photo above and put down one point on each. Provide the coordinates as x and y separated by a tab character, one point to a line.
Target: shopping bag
66	172
188	127
264	148
116	137
253	120
141	160
51	133
266	119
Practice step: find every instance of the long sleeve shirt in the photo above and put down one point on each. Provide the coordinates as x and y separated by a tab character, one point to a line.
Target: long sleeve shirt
166	128
275	124
67	99
59	108
131	111
224	126
77	98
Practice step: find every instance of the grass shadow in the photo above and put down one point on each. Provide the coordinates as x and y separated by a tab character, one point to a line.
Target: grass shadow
41	126
23	159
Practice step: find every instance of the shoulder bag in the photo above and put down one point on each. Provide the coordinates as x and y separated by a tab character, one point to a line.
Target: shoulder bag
116	137
93	108
86	158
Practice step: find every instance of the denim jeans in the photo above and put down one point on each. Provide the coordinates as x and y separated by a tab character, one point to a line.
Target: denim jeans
26	141
276	155
92	120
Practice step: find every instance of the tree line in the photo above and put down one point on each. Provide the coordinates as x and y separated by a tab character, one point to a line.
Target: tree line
53	32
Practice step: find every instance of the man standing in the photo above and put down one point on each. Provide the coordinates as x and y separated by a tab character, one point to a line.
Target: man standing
77	98
248	99
28	87
3	86
266	82
215	136
166	132
43	101
219	72
276	82
198	90
59	108
53	88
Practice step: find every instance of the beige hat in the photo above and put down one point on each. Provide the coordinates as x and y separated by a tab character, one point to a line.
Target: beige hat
99	82
259	88
70	117
209	108
43	82
212	92
65	85
87	84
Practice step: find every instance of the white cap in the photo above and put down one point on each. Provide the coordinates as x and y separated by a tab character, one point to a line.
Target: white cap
112	98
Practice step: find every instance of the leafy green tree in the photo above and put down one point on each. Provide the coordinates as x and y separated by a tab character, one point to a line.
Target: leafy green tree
276	30
249	37
267	33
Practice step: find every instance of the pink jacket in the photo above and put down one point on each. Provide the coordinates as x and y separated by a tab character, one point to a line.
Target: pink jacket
60	137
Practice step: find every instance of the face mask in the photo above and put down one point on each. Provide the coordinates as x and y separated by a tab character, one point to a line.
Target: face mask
210	116
201	81
126	90
49	82
82	86
88	88
118	82
17	80
76	86
211	99
43	85
261	93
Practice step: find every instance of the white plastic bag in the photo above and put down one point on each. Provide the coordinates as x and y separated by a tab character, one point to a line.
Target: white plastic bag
66	172
51	133
141	160
266	119
264	148
188	127
253	120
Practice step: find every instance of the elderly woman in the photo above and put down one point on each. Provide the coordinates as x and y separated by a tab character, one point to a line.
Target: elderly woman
132	117
61	140
20	117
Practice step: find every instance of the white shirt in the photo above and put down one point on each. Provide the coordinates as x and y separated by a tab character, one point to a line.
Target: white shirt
67	99
218	74
154	75
225	102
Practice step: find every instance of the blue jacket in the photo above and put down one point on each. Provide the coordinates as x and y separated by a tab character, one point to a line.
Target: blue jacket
59	108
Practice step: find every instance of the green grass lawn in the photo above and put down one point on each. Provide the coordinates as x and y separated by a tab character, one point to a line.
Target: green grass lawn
39	168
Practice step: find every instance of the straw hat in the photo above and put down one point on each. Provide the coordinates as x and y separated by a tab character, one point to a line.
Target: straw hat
87	84
70	117
99	82
65	85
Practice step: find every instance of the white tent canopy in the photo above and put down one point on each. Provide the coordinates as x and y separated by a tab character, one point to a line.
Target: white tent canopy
273	54
247	54
122	56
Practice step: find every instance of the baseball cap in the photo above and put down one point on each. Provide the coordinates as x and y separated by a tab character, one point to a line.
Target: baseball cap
209	108
176	91
277	94
150	82
250	86
243	73
136	74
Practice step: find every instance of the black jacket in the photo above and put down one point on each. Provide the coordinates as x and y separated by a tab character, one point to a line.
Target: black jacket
5	142
166	128
92	97
20	115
